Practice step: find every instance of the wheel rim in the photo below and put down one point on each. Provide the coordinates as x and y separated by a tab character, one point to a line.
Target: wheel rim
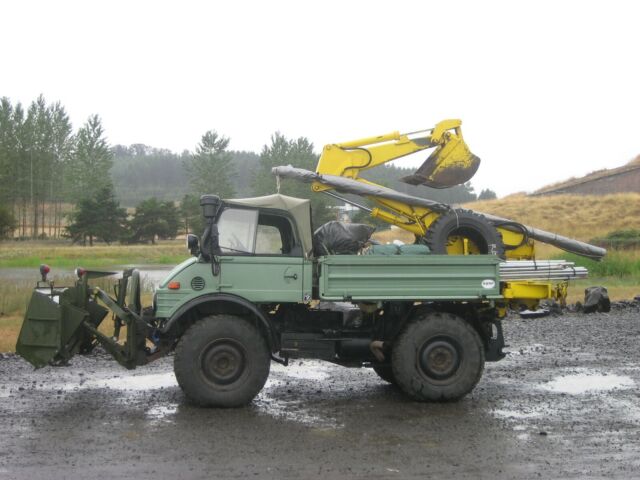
223	361
439	358
476	241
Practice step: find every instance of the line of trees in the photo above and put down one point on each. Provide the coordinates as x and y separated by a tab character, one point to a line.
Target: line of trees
100	217
140	172
44	165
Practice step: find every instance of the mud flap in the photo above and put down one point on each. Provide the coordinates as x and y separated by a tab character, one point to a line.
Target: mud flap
47	329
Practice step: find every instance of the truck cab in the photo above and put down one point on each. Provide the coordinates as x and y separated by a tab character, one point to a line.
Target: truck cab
262	254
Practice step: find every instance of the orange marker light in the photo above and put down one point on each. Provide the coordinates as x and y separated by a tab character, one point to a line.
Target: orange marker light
174	286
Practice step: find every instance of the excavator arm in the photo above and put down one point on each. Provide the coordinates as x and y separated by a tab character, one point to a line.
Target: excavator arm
451	163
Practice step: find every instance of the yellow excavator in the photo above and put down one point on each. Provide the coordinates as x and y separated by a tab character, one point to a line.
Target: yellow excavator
451	163
443	228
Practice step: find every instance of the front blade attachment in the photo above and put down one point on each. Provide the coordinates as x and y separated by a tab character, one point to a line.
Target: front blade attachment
47	329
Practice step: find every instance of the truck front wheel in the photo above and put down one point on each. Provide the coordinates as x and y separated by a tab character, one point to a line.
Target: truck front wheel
438	357
222	361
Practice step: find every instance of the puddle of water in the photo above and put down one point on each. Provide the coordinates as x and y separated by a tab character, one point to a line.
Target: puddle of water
126	383
528	350
587	382
295	410
161	413
309	371
135	382
292	410
550	410
518	414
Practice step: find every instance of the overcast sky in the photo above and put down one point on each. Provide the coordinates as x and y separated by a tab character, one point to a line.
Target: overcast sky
546	90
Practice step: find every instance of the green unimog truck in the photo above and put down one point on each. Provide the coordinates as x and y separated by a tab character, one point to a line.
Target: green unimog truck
253	292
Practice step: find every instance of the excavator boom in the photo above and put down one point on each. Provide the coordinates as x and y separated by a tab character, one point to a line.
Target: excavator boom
451	162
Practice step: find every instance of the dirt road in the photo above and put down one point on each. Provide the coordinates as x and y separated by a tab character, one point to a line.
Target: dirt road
565	403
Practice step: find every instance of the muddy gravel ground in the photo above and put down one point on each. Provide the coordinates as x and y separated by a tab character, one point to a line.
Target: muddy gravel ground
565	403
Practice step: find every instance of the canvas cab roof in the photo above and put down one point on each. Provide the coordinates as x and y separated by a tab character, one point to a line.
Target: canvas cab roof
298	208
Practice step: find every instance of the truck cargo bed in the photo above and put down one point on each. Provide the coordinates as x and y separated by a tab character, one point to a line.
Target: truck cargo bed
409	277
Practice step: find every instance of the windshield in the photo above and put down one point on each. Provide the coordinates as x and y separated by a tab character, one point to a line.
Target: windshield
237	230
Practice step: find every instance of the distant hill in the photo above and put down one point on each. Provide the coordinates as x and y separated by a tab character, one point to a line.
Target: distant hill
580	217
601	182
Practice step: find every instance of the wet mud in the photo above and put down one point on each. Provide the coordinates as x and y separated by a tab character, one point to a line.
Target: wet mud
565	403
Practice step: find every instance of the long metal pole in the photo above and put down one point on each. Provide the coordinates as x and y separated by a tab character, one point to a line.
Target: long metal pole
350	202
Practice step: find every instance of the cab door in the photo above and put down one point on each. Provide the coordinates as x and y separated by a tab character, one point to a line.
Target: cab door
261	259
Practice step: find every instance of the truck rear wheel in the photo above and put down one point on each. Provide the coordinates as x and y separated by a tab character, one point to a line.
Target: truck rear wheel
385	372
222	361
438	357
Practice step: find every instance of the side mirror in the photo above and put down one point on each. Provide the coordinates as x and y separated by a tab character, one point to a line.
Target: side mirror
192	244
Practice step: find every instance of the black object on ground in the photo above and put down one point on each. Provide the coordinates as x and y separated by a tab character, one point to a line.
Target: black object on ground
596	299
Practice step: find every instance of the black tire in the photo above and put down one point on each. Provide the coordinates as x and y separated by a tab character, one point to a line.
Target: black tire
464	223
438	357
385	372
222	361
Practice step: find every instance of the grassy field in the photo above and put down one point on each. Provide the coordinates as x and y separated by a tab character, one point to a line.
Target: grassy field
65	255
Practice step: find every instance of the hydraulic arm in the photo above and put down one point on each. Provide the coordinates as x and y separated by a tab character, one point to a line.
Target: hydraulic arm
450	164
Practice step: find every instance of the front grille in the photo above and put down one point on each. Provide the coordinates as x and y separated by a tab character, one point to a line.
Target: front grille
197	283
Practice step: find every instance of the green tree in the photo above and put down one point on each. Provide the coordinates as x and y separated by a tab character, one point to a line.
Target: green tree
90	162
7	222
10	174
210	169
154	219
61	145
28	160
191	215
97	217
487	194
39	154
298	153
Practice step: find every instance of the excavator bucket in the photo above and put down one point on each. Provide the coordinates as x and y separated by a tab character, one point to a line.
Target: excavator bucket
450	164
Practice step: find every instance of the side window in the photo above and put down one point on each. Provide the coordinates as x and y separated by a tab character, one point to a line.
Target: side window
237	229
275	236
268	240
